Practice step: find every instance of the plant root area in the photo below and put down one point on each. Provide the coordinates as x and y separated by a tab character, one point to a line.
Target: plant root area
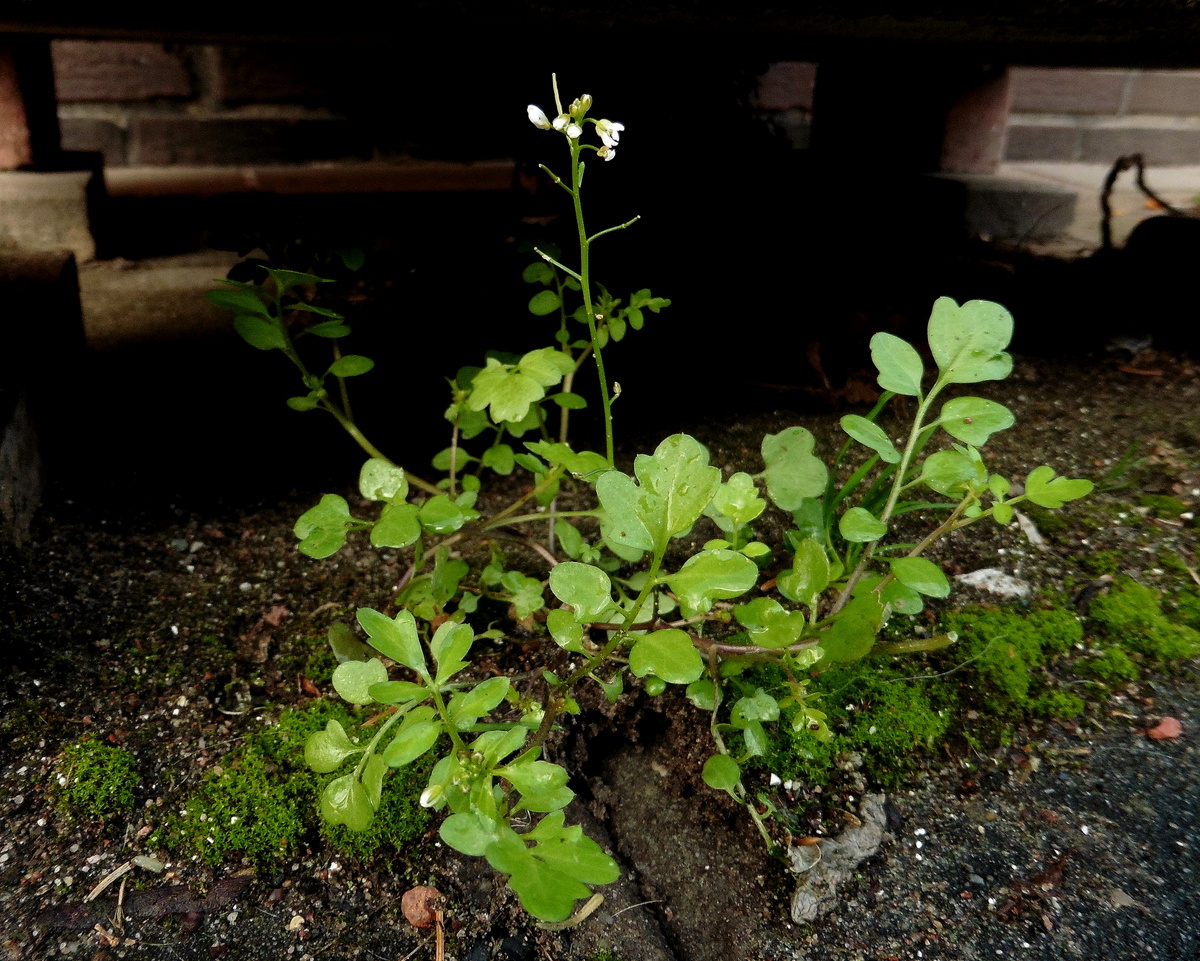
165	612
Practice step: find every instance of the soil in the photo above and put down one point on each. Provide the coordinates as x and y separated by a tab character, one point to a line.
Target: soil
148	606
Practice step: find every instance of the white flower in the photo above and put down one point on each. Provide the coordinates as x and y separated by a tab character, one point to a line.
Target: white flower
537	117
574	131
560	122
607	152
609	131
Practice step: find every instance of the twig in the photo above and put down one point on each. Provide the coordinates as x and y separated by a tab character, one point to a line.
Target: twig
577	918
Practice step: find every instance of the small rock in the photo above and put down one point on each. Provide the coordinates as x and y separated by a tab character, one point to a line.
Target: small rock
996	581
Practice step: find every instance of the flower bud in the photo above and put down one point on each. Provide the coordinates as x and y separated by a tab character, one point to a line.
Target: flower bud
537	117
581	106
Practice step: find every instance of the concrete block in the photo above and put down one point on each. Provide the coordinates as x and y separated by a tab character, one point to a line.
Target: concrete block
46	212
1160	146
1173	92
41	358
1038	142
100	70
1055	90
192	140
1002	208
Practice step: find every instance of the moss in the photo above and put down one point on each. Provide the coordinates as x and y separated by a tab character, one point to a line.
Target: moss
878	712
1132	615
1047	522
1101	562
1114	666
1161	505
262	802
95	781
1005	649
1060	705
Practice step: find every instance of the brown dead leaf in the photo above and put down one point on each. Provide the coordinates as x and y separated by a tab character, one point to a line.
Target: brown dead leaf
276	615
1168	727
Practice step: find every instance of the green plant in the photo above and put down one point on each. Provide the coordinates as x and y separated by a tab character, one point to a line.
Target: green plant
1131	614
632	598
94	781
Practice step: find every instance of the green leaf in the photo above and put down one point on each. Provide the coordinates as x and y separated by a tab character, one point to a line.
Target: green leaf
973	419
450	644
900	366
381	480
466	708
546	893
809	575
759	706
679	476
525	593
397	692
544	302
871	435
440	515
468	833
668	654
768	624
968	342
285	280
395	638
499	457
345	801
1046	490
580	464
322	529
542	785
238	299
738	500
949	472
345	646
621	521
353	679
566	630
921	575
326	750
307	402
587	589
902	599
539	272
372	780
330	329
351	365
721	772
712	575
792	473
398	526
411	742
505	391
859	525
853	632
702	694
569	401
259	332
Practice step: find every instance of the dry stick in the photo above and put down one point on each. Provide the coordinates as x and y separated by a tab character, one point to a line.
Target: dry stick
1134	160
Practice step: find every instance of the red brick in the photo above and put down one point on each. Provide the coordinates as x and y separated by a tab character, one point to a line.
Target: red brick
1159	146
195	141
1166	92
1045	90
101	70
295	73
1042	143
787	85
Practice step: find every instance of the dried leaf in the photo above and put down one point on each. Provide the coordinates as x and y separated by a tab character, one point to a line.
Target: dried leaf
1168	727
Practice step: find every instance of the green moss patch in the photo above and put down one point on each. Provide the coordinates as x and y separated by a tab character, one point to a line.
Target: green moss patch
94	781
879	712
1006	650
261	803
1131	615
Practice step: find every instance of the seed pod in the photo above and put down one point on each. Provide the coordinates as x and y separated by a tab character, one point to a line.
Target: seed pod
420	906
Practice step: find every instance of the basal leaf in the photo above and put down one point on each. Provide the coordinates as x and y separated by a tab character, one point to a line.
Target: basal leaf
381	480
712	575
411	742
668	654
353	679
587	589
721	772
679	475
793	472
859	525
922	575
396	638
871	435
345	801
326	750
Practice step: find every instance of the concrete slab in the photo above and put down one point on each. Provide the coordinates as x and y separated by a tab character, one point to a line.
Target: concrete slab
1014	210
46	211
1177	185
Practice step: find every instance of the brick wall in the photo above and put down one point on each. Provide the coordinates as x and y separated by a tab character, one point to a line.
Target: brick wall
1095	116
157	104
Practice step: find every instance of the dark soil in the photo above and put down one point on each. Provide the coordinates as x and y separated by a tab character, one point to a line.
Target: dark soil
147	608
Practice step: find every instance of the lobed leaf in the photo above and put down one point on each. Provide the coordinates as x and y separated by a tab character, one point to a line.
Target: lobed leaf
968	342
792	472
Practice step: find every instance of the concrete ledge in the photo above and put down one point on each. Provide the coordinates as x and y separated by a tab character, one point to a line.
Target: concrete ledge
1001	208
44	212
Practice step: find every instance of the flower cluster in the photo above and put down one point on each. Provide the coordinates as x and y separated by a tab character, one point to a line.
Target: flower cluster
570	122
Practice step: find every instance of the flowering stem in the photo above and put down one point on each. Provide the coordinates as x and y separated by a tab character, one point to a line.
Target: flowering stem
589	309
